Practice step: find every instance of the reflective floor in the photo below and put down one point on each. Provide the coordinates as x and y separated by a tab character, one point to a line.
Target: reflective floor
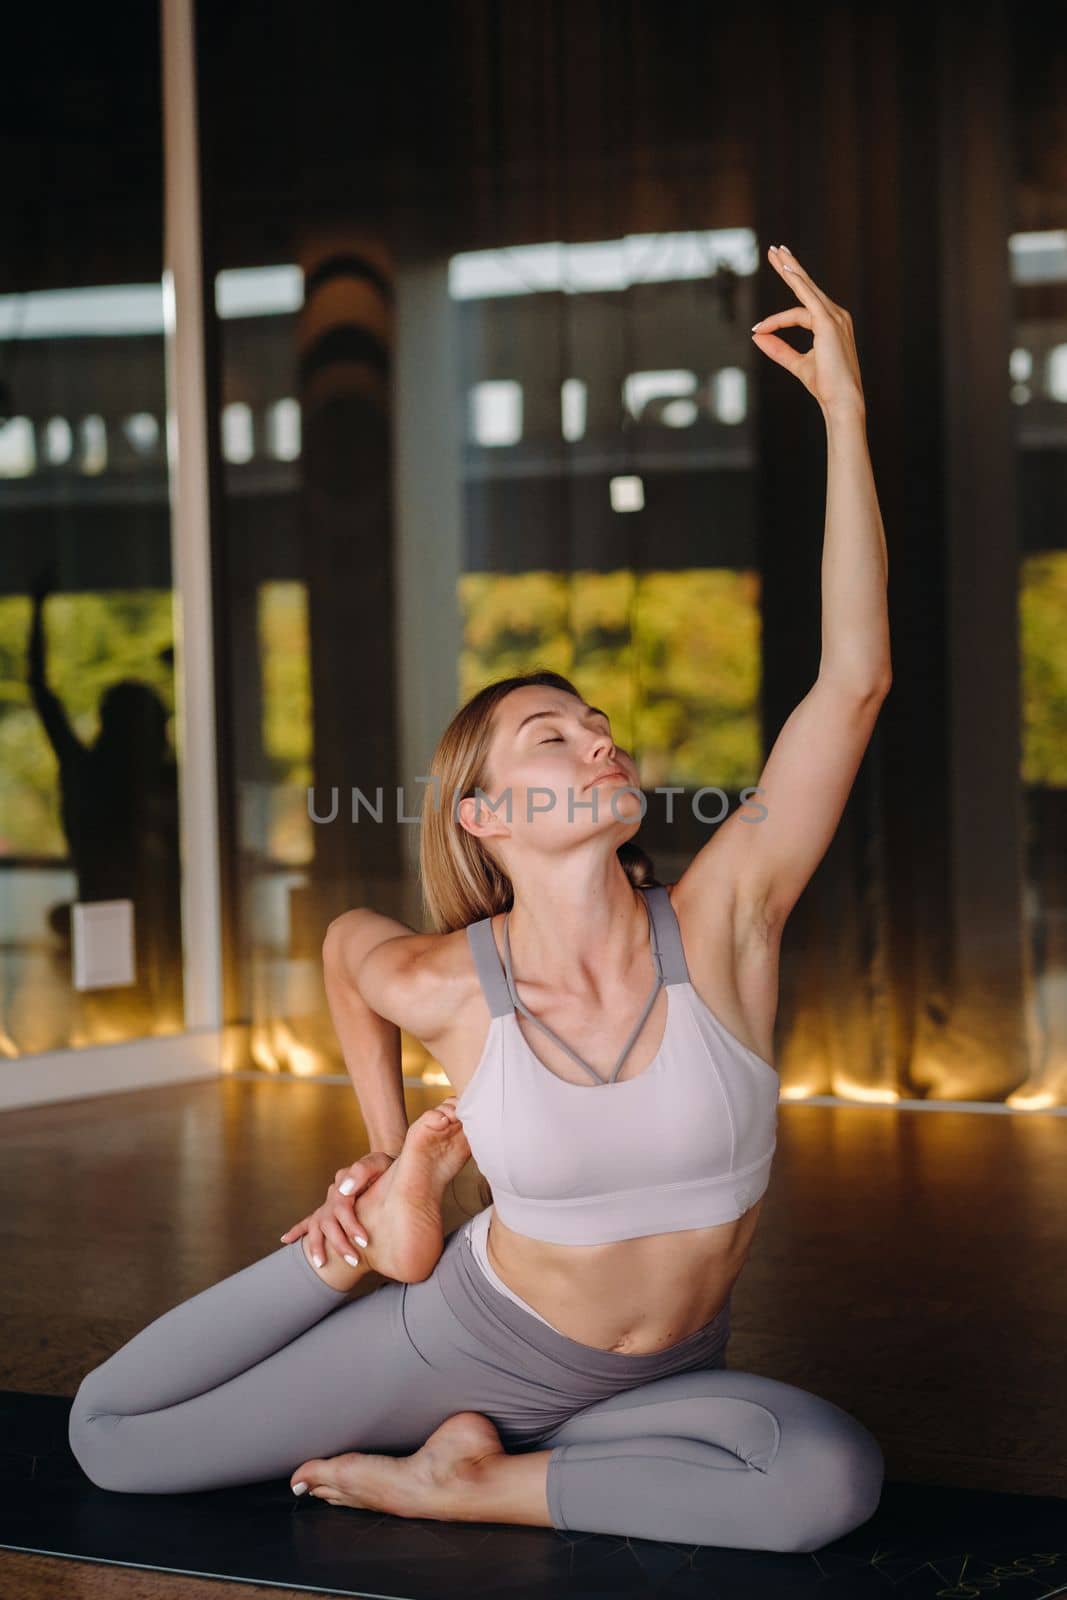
907	1265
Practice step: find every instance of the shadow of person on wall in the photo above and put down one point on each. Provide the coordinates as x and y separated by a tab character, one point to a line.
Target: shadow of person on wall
118	800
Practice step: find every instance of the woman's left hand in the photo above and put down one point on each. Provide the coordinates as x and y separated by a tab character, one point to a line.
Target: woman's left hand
830	370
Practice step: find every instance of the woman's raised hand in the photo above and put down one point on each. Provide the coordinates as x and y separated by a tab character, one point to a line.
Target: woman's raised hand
337	1219
830	370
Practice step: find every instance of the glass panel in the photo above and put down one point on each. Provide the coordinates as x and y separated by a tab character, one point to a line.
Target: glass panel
584	468
607	469
90	875
267	666
1037	378
1039	389
310	716
607	532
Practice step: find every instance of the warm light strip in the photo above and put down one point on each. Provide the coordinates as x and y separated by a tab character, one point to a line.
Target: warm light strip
806	1100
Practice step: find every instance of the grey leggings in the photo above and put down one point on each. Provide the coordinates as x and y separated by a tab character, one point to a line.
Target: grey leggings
272	1367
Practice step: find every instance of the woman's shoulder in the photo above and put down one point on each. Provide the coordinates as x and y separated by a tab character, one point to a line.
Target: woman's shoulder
422	983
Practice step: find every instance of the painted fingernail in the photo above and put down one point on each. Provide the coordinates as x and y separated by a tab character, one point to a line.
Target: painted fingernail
300	1488
756	325
786	248
360	1239
347	1187
317	1260
353	1261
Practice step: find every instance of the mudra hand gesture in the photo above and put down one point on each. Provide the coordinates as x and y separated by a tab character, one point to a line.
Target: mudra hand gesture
830	370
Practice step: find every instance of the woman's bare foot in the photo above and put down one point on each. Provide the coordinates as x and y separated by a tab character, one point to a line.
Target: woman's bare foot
401	1211
440	1480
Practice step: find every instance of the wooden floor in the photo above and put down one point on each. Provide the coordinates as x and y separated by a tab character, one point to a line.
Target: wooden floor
909	1266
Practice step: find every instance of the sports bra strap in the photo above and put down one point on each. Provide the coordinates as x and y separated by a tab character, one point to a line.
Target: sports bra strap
494	980
668	935
490	972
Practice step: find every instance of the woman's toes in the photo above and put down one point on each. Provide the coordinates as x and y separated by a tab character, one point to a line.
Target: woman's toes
441	1115
354	1479
321	1478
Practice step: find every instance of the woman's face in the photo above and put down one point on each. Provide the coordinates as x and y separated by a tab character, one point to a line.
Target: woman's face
550	753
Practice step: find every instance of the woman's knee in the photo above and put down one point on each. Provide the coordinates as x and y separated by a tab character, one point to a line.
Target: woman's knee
91	1433
846	1471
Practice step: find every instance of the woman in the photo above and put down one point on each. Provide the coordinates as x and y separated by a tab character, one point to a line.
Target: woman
560	1360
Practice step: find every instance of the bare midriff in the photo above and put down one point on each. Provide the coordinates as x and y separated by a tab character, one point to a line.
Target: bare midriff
633	1296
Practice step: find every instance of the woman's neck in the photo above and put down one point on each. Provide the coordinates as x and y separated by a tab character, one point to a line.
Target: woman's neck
576	937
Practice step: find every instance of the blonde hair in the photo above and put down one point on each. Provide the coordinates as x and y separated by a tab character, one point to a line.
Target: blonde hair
461	882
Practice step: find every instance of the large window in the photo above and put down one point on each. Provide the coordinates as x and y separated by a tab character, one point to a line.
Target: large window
90	869
607	467
1038	381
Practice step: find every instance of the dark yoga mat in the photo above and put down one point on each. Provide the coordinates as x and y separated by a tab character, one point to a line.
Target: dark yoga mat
922	1544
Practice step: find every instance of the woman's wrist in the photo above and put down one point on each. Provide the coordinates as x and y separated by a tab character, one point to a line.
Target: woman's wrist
846	412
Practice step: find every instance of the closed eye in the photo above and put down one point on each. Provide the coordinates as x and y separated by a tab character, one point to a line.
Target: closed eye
556	739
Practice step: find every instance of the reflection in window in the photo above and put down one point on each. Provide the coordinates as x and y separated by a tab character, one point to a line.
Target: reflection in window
1037	364
496	412
608	264
107	309
237	439
679	413
109	312
92	704
1043	632
653	396
1020	364
92	641
1057	372
1039	257
92	431
259	291
627	493
18	456
648	396
729	392
283	429
58	441
285	656
142	431
573	399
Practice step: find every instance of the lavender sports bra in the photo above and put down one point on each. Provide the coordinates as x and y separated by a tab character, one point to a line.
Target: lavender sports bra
687	1143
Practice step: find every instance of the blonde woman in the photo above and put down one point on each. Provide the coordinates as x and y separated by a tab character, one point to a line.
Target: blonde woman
559	1360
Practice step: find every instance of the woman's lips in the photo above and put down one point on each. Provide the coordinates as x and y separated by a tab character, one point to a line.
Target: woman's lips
614	774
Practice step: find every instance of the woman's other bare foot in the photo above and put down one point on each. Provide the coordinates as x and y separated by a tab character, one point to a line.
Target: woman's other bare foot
442	1479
